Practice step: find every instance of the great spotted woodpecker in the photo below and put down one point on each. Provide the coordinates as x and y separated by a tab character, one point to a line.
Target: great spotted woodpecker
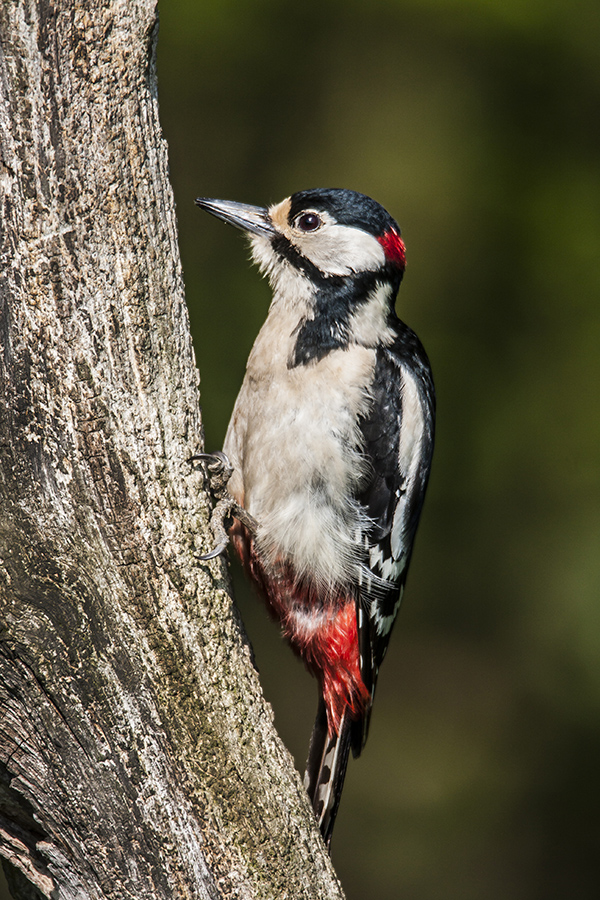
330	442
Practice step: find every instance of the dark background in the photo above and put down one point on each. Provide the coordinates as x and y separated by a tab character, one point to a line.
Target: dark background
476	123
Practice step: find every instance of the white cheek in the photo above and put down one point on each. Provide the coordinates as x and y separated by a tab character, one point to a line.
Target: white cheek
341	250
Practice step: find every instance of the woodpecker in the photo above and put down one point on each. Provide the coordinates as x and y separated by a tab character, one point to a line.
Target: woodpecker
330	442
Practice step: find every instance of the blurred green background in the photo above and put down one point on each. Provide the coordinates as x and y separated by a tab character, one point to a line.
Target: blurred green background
476	123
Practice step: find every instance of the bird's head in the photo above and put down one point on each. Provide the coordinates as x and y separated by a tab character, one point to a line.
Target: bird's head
329	231
332	252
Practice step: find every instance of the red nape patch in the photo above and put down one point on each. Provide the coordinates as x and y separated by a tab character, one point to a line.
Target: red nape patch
394	248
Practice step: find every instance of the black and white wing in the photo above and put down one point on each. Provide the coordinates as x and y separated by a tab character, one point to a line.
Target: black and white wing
398	438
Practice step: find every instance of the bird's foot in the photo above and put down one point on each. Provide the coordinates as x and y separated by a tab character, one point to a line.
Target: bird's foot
219	470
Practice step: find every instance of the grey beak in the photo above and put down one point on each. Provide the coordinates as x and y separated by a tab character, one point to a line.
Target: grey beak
249	218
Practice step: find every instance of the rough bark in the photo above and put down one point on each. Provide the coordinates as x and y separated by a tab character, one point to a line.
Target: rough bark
137	755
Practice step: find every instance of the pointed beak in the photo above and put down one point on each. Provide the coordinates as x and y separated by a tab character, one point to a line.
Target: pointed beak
249	218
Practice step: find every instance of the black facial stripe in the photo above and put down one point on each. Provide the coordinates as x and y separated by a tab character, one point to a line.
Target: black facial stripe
286	250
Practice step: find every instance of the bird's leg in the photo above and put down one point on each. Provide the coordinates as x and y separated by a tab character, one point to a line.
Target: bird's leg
219	471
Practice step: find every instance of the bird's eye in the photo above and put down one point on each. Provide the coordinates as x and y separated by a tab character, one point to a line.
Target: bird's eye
308	221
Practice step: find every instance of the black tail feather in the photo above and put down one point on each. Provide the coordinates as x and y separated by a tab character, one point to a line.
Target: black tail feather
326	769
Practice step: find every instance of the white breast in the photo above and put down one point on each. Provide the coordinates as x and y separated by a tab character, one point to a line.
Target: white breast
294	442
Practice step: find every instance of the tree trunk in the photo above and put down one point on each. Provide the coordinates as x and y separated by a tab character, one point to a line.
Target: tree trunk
137	755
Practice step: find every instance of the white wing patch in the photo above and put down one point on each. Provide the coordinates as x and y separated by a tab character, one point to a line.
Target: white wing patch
409	456
413	426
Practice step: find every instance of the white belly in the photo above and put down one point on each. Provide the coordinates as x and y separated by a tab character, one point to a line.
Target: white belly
295	444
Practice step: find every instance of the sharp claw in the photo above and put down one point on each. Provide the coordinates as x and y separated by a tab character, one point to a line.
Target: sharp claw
220	471
218	459
218	551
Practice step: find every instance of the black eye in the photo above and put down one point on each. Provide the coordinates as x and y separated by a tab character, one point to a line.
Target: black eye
309	221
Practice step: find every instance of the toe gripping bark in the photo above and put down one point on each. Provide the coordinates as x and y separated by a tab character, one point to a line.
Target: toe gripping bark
218	471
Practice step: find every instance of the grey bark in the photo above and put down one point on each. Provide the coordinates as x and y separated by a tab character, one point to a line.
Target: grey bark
137	755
